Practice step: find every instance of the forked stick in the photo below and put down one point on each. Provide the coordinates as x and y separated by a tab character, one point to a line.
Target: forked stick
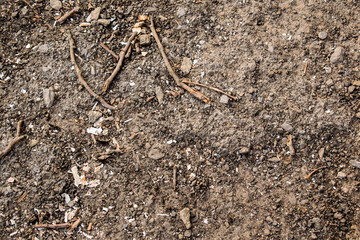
81	79
197	94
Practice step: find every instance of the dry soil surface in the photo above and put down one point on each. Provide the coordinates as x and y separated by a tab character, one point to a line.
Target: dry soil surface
184	169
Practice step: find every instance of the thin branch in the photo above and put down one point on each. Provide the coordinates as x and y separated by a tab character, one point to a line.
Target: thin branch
14	141
197	94
209	87
68	14
53	226
119	64
81	79
110	51
310	174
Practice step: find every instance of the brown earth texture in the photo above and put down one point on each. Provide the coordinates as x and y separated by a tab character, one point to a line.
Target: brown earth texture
276	159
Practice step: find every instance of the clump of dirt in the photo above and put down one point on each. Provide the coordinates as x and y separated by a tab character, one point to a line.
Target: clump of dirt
229	165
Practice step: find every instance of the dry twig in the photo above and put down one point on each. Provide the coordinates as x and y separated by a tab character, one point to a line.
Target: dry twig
305	68
75	225
195	93
68	14
14	141
310	174
80	77
23	196
209	87
174	178
53	226
110	51
119	64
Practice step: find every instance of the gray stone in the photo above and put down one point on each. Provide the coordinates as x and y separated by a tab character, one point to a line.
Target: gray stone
181	12
94	15
144	39
155	154
224	99
355	163
55	4
322	35
244	150
341	175
338	55
44	48
159	94
104	22
187	233
185	217
186	65
94	116
287	127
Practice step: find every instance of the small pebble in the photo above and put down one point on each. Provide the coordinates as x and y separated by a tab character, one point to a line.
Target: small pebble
185	217
341	175
338	55
244	150
144	39
55	4
181	12
224	99
287	127
322	35
338	215
187	233
358	115
186	65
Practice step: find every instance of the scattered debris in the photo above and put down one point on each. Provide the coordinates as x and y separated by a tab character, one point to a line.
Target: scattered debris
185	217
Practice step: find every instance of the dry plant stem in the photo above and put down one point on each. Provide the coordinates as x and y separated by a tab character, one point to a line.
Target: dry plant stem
110	51
174	178
305	68
310	174
81	79
14	141
23	196
53	226
197	94
68	14
119	64
75	225
209	87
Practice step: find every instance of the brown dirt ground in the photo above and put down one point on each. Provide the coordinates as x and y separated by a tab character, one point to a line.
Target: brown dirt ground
234	170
